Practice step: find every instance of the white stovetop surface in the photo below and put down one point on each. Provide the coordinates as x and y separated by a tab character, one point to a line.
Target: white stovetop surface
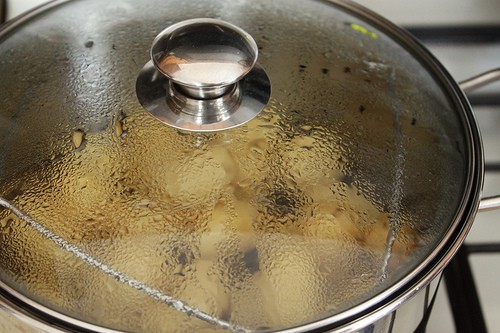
468	61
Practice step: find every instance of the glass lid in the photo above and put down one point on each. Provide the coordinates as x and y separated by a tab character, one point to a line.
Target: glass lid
346	177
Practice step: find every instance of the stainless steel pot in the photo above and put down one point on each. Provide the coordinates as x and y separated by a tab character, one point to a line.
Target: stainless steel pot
323	187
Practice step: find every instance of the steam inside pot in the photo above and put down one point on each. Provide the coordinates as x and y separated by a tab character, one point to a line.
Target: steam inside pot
215	221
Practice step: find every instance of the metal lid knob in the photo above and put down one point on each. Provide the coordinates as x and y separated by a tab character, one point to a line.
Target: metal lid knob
203	77
204	56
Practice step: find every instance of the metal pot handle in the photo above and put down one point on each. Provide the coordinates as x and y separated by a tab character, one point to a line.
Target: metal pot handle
469	85
480	80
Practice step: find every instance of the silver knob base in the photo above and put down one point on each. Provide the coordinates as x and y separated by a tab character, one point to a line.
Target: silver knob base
167	102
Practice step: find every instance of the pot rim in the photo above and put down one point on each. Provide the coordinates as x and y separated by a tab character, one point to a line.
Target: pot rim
389	299
386	301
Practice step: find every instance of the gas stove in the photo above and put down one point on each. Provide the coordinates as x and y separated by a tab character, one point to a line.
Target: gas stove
465	36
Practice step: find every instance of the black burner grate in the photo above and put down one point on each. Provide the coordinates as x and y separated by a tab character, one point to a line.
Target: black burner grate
3	11
457	35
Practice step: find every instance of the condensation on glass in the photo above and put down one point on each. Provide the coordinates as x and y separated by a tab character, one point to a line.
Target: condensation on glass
341	186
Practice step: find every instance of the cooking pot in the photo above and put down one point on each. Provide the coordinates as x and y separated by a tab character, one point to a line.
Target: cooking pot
263	166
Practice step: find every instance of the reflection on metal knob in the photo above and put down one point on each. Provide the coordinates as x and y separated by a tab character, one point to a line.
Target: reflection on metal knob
203	77
204	56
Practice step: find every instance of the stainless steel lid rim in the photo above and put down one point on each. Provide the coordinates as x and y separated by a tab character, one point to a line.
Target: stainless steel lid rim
25	309
383	304
25	17
421	276
40	317
387	301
